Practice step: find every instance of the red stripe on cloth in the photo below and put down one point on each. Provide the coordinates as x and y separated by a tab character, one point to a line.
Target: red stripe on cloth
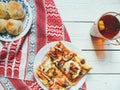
17	64
28	44
84	86
33	85
13	49
2	68
3	86
18	58
9	69
66	36
41	33
48	2
3	52
55	30
19	84
41	38
11	56
3	55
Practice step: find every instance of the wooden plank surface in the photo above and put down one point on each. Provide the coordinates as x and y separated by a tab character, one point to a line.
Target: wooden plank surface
85	10
79	16
79	33
103	82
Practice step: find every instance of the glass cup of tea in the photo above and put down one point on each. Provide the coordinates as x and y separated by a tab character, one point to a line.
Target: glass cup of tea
107	26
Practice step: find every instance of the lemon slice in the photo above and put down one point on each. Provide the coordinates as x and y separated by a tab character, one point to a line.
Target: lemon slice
101	25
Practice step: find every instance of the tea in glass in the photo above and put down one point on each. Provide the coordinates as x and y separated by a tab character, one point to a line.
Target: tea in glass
108	26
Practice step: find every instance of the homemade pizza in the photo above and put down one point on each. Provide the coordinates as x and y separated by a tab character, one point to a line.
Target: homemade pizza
61	68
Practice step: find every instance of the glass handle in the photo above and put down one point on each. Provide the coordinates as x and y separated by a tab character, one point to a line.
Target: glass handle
117	14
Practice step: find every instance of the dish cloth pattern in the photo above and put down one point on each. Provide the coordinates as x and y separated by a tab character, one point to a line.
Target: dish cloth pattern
17	57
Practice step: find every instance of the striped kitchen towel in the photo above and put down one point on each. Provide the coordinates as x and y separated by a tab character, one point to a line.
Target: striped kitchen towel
17	57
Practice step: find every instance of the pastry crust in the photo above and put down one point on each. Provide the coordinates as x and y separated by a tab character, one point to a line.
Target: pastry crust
43	78
3	10
14	27
2	25
47	72
15	10
69	67
49	83
9	15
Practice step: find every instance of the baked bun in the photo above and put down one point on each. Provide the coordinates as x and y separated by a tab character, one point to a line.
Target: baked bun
15	10
3	10
2	25
14	27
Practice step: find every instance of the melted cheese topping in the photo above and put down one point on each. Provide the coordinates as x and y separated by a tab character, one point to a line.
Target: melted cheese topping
46	66
67	67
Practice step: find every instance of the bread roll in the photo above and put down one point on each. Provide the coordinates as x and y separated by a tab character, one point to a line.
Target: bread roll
15	10
2	25
14	27
3	10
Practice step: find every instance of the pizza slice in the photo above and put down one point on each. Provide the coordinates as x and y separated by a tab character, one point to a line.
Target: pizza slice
51	76
75	69
68	62
44	78
60	51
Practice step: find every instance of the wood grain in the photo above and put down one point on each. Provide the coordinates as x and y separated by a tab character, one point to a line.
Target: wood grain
78	17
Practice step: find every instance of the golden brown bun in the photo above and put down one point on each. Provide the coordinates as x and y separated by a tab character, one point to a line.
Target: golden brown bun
14	27
15	10
2	25
3	10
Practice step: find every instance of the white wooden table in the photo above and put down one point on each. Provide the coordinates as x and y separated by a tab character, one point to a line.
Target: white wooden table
78	17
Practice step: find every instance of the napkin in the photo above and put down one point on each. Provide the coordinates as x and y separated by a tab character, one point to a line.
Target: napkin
17	57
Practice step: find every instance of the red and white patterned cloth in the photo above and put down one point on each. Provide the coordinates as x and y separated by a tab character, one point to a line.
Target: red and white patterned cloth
17	57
